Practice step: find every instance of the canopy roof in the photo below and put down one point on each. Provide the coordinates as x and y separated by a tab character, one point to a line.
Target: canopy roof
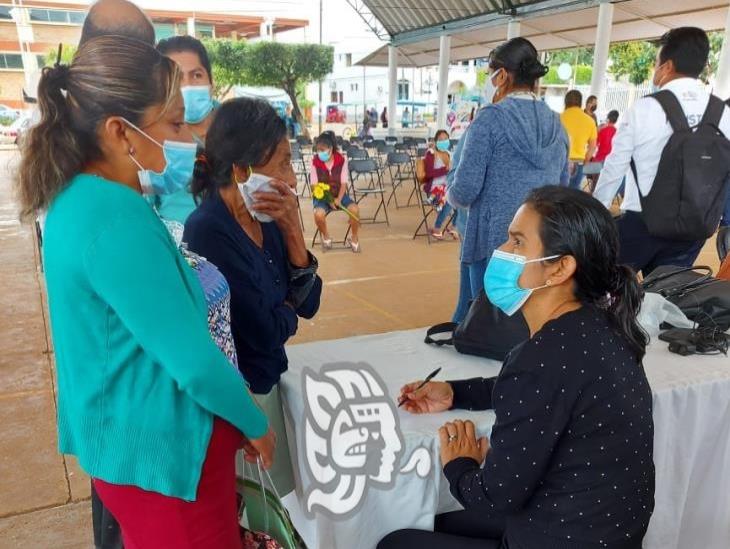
477	26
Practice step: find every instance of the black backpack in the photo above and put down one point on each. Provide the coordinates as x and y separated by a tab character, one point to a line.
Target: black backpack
687	198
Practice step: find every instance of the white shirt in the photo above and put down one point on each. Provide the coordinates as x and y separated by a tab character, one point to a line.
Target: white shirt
642	134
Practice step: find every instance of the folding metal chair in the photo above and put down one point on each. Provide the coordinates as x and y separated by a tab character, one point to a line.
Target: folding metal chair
383	151
426	210
402	170
366	180
391	140
300	170
355	153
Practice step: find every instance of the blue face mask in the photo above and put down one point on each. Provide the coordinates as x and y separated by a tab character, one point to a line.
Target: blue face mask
198	103
179	164
501	281
443	145
324	156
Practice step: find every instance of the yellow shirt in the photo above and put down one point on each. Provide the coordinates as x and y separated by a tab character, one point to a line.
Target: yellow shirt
580	129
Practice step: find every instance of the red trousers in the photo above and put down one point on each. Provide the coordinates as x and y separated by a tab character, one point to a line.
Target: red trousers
151	520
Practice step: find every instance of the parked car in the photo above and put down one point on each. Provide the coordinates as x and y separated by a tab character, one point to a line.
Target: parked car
14	132
6	113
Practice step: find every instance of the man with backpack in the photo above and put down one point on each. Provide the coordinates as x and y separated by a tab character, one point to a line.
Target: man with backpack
673	148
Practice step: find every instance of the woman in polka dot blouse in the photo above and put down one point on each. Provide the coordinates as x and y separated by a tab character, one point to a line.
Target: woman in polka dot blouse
568	463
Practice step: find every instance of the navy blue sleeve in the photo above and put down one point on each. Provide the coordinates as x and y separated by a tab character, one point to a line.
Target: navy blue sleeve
310	306
273	323
473	394
531	418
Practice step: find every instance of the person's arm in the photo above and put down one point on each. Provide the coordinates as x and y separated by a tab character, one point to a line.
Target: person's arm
344	179
531	417
431	172
473	394
590	151
309	307
133	267
313	175
256	319
618	162
469	177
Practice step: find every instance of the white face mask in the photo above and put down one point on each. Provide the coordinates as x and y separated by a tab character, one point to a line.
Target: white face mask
489	88
256	183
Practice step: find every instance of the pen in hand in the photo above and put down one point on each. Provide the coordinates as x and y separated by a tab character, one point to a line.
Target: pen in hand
428	378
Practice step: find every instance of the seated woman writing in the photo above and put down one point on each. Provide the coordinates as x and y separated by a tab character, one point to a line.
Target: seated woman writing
330	167
569	460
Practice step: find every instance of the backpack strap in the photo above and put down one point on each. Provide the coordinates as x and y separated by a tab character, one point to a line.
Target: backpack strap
445	328
713	113
673	109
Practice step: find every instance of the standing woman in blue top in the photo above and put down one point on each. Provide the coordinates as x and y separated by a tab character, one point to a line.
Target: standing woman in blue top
514	145
196	80
147	402
256	241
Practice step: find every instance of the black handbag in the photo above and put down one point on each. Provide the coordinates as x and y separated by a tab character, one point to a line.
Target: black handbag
703	298
485	331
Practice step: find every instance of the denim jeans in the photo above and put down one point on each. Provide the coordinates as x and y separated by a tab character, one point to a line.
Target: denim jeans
462	305
443	215
577	178
476	276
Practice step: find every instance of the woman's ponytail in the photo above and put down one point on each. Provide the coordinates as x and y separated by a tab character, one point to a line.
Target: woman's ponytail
51	152
624	303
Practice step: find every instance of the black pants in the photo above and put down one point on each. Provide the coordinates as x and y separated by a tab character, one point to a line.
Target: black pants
457	530
645	252
107	534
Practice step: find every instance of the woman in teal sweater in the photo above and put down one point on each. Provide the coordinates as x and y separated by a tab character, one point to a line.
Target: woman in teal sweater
146	401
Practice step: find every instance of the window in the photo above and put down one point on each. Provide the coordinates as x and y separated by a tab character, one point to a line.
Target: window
333	97
164	30
342	97
5	13
403	90
354	87
348	60
57	16
11	61
41	61
204	31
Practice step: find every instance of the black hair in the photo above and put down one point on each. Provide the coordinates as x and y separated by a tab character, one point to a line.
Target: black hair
688	48
573	99
439	132
519	57
612	116
590	97
244	132
178	44
576	224
328	139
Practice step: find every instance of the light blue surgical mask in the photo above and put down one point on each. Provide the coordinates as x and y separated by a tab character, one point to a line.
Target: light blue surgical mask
178	171
324	156
443	145
198	103
501	280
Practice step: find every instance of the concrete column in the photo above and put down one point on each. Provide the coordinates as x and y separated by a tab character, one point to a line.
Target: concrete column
600	53
392	88
513	29
191	26
24	28
444	58
266	30
722	78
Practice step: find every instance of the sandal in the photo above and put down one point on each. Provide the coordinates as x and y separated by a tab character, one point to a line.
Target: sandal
326	244
438	235
354	246
454	234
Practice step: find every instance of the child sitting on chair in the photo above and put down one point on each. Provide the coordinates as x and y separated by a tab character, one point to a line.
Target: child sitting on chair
330	167
437	163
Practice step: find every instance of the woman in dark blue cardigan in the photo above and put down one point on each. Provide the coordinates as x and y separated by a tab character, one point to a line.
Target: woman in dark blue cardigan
258	246
568	463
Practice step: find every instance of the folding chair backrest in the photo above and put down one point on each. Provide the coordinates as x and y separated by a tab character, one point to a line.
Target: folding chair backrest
402	147
363	166
420	141
391	140
396	158
354	153
385	149
303	140
454	143
421	152
408	139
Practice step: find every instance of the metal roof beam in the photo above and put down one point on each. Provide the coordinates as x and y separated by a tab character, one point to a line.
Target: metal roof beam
370	20
531	9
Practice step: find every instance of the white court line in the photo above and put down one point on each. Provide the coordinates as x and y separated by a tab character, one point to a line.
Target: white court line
384	277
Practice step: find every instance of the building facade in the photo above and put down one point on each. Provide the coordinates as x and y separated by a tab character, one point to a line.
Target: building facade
29	33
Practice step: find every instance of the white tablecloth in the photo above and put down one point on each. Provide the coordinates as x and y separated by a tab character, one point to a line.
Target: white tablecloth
691	442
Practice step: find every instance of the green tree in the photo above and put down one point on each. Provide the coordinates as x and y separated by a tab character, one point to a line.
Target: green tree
632	59
581	56
227	63
716	40
67	55
287	66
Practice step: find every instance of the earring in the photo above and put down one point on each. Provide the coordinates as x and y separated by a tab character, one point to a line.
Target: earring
548	282
131	150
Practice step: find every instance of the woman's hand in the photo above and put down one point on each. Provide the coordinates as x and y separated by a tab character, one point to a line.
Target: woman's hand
435	396
260	447
459	439
280	205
